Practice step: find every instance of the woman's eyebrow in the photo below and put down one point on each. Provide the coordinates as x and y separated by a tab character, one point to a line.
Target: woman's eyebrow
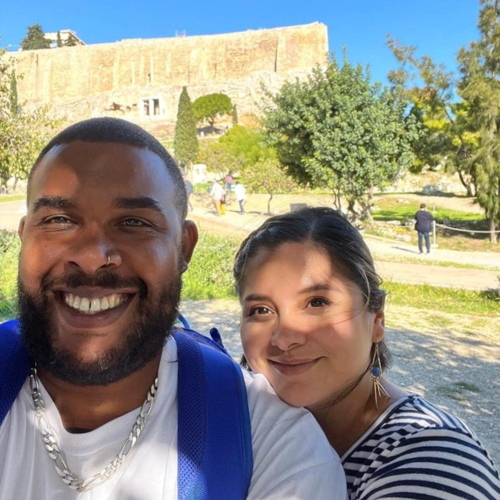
319	287
254	297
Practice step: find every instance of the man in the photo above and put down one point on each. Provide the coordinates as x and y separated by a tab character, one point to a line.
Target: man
423	226
241	196
104	245
217	194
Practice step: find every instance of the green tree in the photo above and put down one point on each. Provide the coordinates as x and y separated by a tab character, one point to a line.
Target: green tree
447	136
267	176
248	143
14	99
209	107
480	87
70	41
238	149
35	39
185	137
59	41
336	130
235	115
23	133
220	159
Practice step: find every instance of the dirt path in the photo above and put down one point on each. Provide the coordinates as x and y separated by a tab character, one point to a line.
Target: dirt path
452	360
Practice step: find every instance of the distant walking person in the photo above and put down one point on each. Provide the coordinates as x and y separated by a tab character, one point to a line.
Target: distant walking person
217	193
229	183
423	226
241	196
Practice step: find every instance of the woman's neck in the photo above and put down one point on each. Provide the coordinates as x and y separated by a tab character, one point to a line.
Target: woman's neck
345	422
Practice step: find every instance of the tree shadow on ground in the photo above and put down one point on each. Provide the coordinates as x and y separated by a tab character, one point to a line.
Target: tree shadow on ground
456	373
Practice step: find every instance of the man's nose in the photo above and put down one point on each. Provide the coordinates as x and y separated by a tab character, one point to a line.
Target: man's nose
94	250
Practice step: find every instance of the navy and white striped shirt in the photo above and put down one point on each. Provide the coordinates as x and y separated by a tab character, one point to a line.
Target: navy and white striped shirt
416	451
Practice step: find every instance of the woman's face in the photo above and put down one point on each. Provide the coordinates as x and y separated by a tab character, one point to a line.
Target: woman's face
304	326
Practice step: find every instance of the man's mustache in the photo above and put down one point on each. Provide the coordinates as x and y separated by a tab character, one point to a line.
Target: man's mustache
103	279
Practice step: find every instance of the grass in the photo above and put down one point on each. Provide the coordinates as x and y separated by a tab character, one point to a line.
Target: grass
210	271
458	390
9	251
439	299
429	261
11	197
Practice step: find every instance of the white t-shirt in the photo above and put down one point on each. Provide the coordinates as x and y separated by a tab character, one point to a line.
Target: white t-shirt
239	191
292	458
217	191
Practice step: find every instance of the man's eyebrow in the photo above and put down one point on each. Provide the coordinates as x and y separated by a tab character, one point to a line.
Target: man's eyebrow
139	202
52	202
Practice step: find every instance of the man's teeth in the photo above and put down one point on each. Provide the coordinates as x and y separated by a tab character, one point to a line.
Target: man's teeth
93	306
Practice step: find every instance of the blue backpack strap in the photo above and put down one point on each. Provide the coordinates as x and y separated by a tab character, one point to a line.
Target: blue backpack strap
15	365
214	434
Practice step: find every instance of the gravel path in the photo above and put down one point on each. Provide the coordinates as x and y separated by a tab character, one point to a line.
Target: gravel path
452	360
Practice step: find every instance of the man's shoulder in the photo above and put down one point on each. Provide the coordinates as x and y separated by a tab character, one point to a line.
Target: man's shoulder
268	413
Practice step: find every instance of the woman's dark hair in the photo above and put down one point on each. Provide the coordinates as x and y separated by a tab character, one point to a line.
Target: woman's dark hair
329	231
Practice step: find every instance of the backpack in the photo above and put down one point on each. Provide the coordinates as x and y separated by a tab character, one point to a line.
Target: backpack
214	434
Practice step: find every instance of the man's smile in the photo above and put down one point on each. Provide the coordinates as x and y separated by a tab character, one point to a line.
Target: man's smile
89	305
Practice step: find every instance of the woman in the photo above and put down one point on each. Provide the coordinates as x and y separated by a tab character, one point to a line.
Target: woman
313	324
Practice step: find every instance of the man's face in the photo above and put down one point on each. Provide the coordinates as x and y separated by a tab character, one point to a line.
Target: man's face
84	321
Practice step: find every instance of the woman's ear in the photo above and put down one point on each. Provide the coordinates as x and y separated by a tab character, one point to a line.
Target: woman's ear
378	332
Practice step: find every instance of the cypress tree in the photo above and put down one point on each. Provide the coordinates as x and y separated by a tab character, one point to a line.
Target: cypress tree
35	39
185	138
235	115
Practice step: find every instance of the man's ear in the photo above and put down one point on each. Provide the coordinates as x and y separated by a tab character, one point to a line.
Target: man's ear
378	332
189	240
20	229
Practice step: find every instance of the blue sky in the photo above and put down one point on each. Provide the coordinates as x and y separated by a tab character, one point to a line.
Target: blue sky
437	27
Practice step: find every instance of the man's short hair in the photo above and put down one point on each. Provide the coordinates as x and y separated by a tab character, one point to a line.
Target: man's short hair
119	131
423	205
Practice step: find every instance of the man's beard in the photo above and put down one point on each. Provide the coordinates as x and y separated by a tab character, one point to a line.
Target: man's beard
142	340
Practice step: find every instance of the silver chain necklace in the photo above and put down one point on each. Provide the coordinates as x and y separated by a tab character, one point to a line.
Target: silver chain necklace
56	455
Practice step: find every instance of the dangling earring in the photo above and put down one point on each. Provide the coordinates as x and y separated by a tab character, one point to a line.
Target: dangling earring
376	373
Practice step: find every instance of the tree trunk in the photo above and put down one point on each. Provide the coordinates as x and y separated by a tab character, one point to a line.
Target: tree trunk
269	204
14	187
352	210
367	208
493	228
465	184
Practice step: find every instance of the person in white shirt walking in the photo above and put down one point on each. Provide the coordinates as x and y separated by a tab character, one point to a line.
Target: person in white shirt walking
241	196
217	193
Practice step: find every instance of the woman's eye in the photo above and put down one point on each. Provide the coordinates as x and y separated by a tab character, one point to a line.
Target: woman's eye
260	310
318	302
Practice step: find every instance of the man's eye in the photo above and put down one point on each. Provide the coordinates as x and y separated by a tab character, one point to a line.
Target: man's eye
58	219
133	223
318	302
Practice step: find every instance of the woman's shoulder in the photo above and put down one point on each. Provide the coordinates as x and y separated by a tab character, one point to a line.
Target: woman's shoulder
416	421
415	443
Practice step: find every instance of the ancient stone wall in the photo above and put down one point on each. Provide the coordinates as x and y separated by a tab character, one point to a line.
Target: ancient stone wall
118	78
